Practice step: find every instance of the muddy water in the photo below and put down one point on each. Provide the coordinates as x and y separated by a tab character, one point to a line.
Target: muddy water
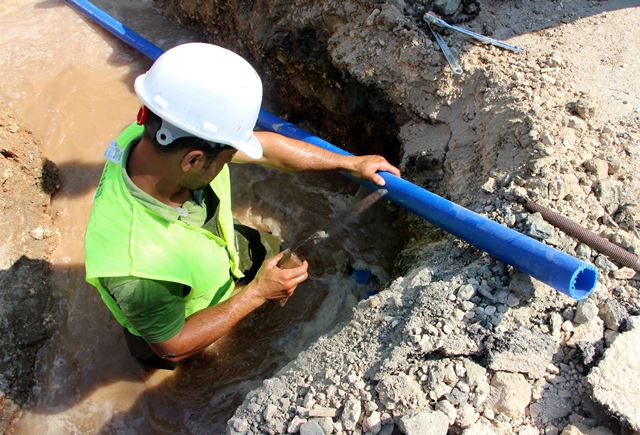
71	84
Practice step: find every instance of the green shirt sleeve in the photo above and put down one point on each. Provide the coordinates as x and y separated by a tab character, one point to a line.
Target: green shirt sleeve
154	308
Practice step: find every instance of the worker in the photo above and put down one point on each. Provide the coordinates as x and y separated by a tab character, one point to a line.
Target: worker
161	246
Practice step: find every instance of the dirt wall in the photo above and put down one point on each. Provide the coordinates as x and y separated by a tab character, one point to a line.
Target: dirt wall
28	238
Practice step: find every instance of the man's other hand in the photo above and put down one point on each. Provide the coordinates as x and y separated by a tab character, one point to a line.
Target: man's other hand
367	166
272	282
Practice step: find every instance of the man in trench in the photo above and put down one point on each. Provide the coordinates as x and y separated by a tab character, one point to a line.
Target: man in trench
161	246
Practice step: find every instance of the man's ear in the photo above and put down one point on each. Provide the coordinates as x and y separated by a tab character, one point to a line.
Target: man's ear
194	159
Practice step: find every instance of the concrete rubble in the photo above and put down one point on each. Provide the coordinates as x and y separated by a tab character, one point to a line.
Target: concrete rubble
615	382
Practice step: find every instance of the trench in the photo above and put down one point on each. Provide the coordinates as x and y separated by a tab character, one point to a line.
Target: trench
71	84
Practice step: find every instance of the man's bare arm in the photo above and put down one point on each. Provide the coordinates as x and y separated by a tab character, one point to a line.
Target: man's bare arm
293	155
208	325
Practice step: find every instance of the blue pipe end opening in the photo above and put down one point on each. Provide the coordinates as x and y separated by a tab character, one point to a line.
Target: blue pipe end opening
583	282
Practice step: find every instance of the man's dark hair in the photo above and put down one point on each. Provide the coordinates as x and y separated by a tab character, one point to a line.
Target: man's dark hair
210	149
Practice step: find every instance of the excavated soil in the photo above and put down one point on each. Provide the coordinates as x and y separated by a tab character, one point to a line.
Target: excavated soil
26	184
460	342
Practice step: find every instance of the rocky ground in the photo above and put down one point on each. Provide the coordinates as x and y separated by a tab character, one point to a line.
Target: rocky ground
26	184
459	342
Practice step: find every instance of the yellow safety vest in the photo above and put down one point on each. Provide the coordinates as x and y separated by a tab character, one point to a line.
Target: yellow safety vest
125	238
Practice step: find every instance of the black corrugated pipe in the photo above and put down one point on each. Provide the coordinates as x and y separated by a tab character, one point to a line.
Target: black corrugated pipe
587	237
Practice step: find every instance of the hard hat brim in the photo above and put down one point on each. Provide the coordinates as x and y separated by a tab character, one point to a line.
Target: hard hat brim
252	148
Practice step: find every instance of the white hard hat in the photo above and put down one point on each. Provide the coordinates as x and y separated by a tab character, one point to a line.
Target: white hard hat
205	91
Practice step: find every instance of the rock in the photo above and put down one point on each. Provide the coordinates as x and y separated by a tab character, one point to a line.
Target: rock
325	423
609	193
567	326
513	300
467	415
583	251
613	314
465	292
510	394
598	167
239	425
547	139
295	423
40	233
583	109
588	338
311	428
351	414
446	7
489	186
269	412
525	351
424	423
450	376
400	392
538	228
490	310
448	408
615	382
475	373
479	428
555	323
372	17
628	216
625	273
322	411
586	311
372	423
604	264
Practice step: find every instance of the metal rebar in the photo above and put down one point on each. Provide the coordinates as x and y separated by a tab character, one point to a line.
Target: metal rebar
587	237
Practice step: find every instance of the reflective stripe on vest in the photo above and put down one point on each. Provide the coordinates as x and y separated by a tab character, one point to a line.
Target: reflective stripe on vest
125	238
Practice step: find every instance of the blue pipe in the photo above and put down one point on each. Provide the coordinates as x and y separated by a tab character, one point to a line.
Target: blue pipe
561	271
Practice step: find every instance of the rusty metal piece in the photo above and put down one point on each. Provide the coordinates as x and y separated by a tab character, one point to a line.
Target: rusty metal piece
600	244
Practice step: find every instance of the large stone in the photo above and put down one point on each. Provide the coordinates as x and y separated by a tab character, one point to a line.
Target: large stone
425	423
400	392
467	415
609	193
524	351
613	314
588	339
538	228
615	382
351	414
585	311
311	428
475	373
510	394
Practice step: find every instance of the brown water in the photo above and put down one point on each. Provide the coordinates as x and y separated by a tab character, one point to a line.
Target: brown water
71	84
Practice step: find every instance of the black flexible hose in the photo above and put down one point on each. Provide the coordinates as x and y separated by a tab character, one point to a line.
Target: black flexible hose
587	237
